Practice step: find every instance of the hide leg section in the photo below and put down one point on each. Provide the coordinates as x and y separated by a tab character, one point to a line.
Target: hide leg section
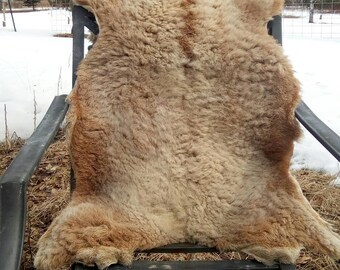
275	227
266	240
271	255
91	234
300	224
283	242
316	234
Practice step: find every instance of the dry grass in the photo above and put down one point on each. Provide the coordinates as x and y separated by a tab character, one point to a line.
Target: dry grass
325	199
291	16
8	152
63	35
48	193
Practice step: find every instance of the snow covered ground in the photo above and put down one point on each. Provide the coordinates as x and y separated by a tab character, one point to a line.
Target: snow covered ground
325	26
313	50
34	63
31	61
316	64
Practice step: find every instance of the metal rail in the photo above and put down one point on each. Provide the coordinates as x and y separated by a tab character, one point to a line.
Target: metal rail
194	265
13	185
327	137
81	18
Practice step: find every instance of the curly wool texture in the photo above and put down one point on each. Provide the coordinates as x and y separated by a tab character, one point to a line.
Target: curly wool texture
181	129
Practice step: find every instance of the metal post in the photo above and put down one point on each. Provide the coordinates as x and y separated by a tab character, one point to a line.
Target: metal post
78	55
4	13
275	28
311	11
78	40
10	8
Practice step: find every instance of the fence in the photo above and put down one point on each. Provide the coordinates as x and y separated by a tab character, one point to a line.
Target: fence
318	19
61	17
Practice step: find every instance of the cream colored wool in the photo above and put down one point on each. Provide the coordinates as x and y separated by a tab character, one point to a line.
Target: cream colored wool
181	129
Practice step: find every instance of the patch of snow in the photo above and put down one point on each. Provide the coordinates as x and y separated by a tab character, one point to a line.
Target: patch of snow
31	60
316	65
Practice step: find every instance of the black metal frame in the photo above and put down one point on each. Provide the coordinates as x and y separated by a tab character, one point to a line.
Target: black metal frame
275	28
13	184
193	265
327	137
81	18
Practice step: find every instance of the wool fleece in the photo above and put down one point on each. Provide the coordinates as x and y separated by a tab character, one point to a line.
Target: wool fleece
181	129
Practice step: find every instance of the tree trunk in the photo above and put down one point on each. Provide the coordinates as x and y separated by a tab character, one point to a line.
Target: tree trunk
4	13
311	12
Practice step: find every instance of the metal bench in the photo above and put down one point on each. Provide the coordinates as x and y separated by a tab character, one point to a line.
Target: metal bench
13	184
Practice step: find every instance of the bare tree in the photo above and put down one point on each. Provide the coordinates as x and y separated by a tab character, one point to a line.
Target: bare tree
311	11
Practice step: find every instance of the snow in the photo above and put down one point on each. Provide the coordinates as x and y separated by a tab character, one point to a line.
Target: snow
313	50
31	61
325	26
317	67
34	63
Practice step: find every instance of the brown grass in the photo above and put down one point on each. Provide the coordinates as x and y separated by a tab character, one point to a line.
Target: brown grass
63	35
8	152
48	193
291	17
